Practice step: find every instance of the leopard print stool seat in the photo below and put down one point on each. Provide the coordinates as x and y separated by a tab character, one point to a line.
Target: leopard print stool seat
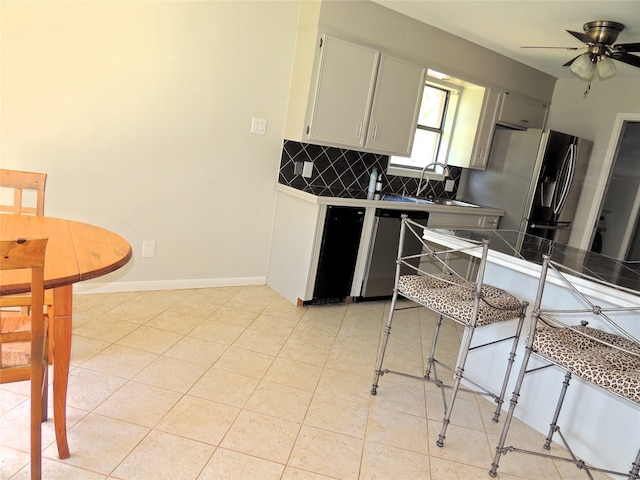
448	295
595	362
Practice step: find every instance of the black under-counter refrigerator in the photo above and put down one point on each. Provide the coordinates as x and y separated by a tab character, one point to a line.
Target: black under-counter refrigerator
338	253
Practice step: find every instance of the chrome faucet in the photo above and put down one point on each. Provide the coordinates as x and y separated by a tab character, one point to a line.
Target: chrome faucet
446	173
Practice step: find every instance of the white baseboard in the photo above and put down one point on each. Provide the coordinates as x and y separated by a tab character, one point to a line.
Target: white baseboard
116	287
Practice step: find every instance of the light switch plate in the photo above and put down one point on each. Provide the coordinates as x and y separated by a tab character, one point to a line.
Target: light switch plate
258	126
307	170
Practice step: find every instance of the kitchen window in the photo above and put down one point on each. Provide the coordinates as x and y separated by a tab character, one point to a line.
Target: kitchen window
434	130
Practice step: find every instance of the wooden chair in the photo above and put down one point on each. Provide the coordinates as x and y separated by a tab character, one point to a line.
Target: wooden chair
19	182
23	338
22	193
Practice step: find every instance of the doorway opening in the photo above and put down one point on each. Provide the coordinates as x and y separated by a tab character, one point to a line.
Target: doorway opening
617	233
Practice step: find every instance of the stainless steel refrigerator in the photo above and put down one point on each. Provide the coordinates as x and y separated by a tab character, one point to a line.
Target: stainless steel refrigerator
535	176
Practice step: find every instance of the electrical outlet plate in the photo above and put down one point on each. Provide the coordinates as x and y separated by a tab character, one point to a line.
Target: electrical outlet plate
449	185
148	248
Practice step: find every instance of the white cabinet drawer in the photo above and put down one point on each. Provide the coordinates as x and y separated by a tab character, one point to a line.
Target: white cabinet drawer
462	220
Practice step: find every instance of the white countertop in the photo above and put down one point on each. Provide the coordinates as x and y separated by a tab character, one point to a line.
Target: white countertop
359	202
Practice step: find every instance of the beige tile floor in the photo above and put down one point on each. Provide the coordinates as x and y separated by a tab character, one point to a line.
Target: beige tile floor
236	383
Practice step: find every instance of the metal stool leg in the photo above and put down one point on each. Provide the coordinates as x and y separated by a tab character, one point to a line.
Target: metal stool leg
554	423
466	343
383	347
432	355
512	406
512	357
635	468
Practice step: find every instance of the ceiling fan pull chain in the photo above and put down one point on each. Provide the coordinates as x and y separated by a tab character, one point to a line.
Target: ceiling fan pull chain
594	65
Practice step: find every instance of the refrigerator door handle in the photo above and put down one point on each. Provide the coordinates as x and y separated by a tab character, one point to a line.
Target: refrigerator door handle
550	225
568	171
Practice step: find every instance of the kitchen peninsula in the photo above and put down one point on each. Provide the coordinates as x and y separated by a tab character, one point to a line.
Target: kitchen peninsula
298	232
600	427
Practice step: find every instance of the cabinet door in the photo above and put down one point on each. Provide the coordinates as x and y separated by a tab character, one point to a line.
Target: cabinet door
346	78
396	105
521	112
486	126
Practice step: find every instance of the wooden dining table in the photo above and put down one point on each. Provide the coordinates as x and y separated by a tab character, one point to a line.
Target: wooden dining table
75	252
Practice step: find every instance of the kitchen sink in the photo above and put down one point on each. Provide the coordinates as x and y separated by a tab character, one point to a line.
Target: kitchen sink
390	197
454	203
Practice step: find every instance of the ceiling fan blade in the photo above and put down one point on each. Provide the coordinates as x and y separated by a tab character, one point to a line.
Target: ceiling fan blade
562	48
626	58
628	47
570	61
583	37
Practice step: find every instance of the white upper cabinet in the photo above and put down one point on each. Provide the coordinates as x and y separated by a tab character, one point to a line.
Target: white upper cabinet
353	95
521	112
486	127
480	109
342	104
396	105
474	126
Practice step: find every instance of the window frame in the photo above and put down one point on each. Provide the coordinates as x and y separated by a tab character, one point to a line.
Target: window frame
446	131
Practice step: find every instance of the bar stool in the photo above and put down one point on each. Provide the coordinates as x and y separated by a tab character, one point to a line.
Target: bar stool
439	279
609	360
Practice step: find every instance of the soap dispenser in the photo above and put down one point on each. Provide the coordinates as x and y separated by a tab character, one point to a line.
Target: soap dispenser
378	192
372	183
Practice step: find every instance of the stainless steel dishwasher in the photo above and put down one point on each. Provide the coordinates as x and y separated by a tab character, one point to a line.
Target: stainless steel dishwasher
379	275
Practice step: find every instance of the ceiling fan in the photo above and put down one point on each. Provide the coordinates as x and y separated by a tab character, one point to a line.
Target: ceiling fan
600	36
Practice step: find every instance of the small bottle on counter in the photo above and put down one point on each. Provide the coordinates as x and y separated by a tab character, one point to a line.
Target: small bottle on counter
378	193
372	184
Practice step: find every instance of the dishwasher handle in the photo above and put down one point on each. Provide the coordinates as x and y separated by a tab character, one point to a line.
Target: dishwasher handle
393	213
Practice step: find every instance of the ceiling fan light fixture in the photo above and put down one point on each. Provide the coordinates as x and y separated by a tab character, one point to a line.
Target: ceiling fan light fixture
582	66
606	68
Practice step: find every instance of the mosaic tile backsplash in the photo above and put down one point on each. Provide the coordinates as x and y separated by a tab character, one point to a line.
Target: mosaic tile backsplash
341	169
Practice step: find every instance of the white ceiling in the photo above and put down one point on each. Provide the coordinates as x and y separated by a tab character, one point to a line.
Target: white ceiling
505	25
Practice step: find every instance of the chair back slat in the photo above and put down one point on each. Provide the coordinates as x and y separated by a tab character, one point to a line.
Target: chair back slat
20	182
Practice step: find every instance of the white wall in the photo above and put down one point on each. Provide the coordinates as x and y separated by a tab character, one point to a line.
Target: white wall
140	113
593	118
